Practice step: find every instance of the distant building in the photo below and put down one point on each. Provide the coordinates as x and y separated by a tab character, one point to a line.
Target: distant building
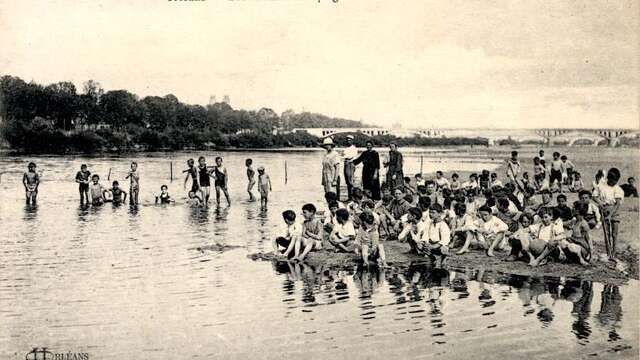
226	99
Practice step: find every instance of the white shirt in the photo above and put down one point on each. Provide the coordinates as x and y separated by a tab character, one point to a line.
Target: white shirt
442	183
548	232
609	194
494	226
292	230
436	232
344	230
470	185
513	169
350	153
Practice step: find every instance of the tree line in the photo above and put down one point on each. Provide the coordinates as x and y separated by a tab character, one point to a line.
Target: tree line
56	118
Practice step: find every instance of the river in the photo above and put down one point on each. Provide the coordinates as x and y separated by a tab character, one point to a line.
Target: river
122	283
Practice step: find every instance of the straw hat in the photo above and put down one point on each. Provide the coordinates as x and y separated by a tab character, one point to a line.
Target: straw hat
327	142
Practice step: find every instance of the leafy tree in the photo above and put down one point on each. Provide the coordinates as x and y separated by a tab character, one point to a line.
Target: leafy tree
119	107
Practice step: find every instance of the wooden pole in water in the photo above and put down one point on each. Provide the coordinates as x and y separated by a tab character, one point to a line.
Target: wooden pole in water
286	173
109	175
421	162
171	170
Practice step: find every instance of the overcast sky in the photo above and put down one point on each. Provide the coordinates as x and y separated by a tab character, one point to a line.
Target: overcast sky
450	63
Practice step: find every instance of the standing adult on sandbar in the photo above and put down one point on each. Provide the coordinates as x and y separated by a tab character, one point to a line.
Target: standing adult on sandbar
395	177
370	170
350	153
330	164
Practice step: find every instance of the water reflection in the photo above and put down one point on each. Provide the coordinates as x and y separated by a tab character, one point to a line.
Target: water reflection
437	298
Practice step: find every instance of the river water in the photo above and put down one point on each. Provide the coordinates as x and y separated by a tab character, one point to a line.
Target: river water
122	283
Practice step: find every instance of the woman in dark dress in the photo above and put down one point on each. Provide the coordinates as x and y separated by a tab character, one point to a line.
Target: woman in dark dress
370	170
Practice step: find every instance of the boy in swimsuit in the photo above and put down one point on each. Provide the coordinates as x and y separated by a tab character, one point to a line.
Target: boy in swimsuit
31	181
264	186
192	172
203	180
118	196
96	190
164	197
134	188
250	178
82	178
194	199
221	181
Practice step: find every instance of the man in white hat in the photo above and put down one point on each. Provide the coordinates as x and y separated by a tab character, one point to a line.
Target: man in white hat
350	153
330	164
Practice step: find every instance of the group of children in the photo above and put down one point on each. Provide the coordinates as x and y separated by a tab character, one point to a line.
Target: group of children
202	175
92	192
436	215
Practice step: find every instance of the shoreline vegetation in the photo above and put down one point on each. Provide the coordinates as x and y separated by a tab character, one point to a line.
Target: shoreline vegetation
56	119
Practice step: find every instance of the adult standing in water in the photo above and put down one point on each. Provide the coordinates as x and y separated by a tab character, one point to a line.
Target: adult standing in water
395	177
350	153
330	164
370	170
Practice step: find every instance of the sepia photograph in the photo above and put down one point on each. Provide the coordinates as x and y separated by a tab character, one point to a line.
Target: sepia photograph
319	179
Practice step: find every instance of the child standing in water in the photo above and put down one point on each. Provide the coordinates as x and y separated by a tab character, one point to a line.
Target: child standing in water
203	180
250	178
134	188
264	186
97	191
118	196
83	180
31	181
221	180
192	172
164	197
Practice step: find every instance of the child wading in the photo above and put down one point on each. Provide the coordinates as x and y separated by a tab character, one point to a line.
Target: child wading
192	173
164	197
221	180
96	190
31	181
264	186
251	181
134	187
118	196
203	180
83	179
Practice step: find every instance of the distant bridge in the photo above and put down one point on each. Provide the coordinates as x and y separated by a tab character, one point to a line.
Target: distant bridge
568	137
